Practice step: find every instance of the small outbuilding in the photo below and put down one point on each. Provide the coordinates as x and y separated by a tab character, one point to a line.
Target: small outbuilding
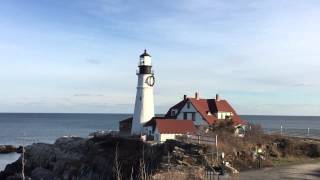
125	126
161	129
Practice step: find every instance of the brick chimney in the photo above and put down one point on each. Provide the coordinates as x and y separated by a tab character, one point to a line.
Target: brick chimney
196	96
184	97
217	97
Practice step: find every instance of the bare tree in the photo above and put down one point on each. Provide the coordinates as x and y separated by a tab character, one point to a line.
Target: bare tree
117	165
168	157
143	168
143	171
131	175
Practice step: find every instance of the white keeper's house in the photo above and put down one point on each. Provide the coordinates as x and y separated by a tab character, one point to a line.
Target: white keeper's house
183	118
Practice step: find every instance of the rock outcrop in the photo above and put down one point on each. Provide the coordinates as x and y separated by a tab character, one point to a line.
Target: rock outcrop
4	149
94	158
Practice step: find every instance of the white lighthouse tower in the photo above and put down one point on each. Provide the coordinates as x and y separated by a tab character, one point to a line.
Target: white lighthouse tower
144	105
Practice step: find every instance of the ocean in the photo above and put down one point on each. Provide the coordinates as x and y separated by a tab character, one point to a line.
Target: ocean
27	128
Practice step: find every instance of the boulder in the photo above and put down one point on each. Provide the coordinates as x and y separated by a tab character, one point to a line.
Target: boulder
42	174
4	149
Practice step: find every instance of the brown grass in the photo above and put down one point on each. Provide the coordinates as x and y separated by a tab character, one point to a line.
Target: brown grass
196	174
240	151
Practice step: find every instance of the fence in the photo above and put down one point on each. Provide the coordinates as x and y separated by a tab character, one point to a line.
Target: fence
199	139
205	140
211	175
304	133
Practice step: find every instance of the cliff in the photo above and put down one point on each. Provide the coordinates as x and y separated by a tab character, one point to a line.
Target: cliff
109	157
98	157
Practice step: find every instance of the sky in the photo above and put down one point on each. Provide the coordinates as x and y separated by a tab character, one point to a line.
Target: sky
81	55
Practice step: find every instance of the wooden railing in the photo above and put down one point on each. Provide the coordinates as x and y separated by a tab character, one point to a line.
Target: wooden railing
199	139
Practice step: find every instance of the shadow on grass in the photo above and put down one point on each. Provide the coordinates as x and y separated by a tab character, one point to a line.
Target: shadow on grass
315	173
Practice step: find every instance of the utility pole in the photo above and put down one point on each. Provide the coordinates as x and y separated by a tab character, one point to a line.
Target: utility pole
217	148
23	161
168	161
212	155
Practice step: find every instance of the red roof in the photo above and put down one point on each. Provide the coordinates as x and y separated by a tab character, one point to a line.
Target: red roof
204	106
224	106
152	122
174	126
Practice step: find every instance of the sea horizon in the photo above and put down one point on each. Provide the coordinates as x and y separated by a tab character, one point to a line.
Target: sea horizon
48	126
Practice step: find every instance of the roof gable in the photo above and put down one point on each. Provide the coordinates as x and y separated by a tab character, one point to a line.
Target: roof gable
203	107
128	120
178	107
224	106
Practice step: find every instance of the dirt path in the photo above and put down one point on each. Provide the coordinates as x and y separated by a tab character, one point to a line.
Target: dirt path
303	171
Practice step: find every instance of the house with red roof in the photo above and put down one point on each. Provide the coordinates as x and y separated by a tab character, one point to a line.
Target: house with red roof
204	111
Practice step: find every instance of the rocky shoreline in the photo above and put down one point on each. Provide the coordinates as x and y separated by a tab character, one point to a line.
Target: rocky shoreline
95	158
109	156
6	149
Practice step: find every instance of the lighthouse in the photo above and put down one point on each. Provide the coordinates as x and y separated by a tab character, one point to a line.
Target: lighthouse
144	104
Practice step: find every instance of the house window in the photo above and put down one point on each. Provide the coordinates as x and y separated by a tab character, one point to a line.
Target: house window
193	116
188	105
189	116
173	112
185	115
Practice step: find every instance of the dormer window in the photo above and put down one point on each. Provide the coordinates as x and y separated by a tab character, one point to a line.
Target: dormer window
173	112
